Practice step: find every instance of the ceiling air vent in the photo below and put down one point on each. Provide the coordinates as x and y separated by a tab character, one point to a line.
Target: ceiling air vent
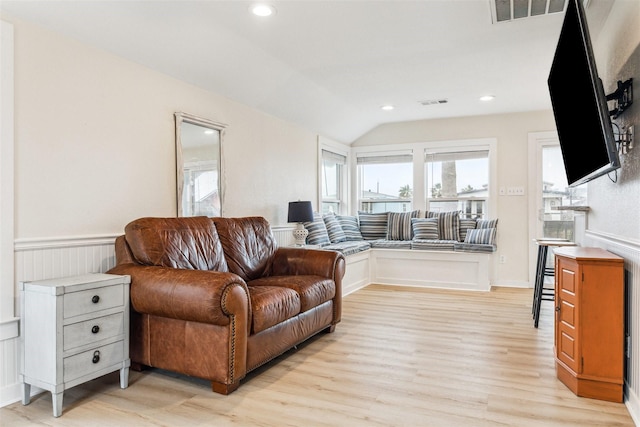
434	101
508	10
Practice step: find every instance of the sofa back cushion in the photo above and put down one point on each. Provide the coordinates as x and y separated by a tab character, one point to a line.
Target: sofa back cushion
188	243
248	244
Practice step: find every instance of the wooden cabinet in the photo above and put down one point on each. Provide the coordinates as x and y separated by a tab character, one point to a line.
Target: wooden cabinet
589	323
74	329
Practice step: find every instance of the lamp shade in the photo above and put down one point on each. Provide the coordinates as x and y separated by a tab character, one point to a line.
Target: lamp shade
300	212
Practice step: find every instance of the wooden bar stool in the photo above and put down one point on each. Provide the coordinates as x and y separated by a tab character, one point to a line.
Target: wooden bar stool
540	293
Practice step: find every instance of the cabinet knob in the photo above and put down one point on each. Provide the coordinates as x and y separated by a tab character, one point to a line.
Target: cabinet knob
96	356
95	329
95	299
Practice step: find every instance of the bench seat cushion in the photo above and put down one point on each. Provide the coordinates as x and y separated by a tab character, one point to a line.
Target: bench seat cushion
349	247
391	244
474	247
433	245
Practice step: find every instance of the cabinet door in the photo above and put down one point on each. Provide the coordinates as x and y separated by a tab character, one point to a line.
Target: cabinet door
567	337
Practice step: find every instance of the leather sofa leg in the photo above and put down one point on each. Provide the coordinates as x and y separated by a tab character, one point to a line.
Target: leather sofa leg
330	329
138	366
224	388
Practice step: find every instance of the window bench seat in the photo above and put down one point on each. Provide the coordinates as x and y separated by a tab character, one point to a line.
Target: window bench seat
440	250
421	268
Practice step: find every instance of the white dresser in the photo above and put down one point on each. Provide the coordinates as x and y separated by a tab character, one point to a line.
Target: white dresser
74	329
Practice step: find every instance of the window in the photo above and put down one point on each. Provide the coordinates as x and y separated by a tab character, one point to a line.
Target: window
558	224
385	182
333	170
458	180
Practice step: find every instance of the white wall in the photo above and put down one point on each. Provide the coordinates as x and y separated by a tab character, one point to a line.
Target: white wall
94	138
511	132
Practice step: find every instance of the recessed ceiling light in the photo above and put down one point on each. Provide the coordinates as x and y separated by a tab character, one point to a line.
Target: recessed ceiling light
262	9
387	107
487	98
208	132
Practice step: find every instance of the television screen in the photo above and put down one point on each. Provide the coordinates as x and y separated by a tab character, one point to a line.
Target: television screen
579	103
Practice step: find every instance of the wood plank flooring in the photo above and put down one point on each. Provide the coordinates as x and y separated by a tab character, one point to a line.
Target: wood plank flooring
400	357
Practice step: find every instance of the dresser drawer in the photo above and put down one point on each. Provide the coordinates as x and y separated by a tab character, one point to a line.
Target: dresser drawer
92	300
93	330
93	360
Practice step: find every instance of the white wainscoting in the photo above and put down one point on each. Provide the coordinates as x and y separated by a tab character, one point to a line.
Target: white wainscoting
433	269
630	251
37	259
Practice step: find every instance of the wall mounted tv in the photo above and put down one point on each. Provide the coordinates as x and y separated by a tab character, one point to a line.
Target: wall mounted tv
579	103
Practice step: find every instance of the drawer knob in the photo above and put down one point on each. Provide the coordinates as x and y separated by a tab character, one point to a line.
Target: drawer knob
96	356
95	329
95	299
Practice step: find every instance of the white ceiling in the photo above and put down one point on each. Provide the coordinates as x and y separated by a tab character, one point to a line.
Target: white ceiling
329	65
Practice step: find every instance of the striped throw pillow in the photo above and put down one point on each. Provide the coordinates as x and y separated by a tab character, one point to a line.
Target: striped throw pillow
425	228
317	231
373	225
334	229
487	223
399	225
483	236
448	224
350	227
466	224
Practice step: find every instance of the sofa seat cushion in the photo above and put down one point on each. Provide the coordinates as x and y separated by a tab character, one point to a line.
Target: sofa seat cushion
312	290
391	244
433	245
271	305
349	248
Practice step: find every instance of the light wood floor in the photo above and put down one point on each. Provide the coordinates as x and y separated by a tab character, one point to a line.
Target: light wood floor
400	357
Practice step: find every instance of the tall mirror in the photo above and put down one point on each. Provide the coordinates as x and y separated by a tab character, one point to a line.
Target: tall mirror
198	165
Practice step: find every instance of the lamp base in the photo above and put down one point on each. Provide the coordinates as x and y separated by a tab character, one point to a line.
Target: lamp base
300	234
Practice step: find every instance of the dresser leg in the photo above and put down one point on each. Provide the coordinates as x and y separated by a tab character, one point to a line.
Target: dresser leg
57	403
124	377
26	393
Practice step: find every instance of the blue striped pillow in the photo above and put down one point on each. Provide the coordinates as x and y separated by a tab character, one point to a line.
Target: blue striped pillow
448	224
317	231
336	235
483	236
350	227
487	223
466	224
399	225
373	225
425	228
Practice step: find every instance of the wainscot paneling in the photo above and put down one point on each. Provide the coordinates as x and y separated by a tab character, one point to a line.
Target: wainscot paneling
630	251
37	259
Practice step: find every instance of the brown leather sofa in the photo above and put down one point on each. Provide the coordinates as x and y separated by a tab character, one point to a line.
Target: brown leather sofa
215	298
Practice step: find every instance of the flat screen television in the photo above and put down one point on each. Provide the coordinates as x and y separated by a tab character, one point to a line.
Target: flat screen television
580	104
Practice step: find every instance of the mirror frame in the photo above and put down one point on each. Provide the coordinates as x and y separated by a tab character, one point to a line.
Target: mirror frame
181	117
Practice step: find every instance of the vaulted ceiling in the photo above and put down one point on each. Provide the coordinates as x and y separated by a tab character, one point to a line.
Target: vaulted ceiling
331	65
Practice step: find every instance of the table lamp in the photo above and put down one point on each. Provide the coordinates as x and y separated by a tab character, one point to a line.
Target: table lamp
300	212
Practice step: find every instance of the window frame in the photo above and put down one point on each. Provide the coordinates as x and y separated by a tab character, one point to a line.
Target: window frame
457	154
343	186
419	200
405	156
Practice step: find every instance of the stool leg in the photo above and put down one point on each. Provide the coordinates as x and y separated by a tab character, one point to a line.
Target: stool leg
543	253
536	282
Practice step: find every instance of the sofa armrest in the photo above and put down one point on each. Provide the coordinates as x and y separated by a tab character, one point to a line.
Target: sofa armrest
300	261
192	295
